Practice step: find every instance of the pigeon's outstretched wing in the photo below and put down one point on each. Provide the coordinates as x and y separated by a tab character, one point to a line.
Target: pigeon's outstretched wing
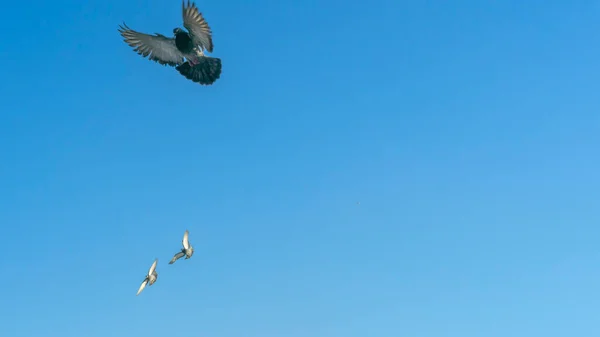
153	267
158	48
176	257
185	241
142	286
197	26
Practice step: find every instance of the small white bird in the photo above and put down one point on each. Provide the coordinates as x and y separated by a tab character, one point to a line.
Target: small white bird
187	249
150	278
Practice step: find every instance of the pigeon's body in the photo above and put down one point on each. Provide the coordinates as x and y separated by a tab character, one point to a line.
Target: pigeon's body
186	251
150	278
185	50
184	42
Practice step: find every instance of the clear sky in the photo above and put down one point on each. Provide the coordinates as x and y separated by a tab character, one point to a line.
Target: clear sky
467	130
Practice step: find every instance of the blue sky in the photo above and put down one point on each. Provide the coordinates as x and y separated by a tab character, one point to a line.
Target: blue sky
468	132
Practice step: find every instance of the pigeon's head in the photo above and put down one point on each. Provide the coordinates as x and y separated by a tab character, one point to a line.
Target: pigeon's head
178	31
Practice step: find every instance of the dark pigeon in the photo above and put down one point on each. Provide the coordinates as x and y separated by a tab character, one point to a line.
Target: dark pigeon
184	51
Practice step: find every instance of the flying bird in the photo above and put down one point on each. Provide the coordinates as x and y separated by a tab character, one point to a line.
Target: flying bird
150	278
184	51
187	249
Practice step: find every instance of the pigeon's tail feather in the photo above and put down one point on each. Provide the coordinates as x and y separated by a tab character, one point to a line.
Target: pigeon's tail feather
206	72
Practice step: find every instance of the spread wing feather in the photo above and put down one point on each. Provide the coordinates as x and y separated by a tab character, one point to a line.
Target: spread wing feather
158	48
185	241
176	257
152	268
197	26
142	286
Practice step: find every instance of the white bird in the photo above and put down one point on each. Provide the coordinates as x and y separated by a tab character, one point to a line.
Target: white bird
150	278
187	249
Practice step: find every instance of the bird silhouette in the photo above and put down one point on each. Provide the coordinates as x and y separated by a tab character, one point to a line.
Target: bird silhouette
150	278
189	45
187	249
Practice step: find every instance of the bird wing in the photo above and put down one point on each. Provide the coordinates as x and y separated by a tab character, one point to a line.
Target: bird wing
176	257
158	48
185	241
153	267
195	23
142	286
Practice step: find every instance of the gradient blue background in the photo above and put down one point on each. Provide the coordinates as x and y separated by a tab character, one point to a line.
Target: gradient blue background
468	131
